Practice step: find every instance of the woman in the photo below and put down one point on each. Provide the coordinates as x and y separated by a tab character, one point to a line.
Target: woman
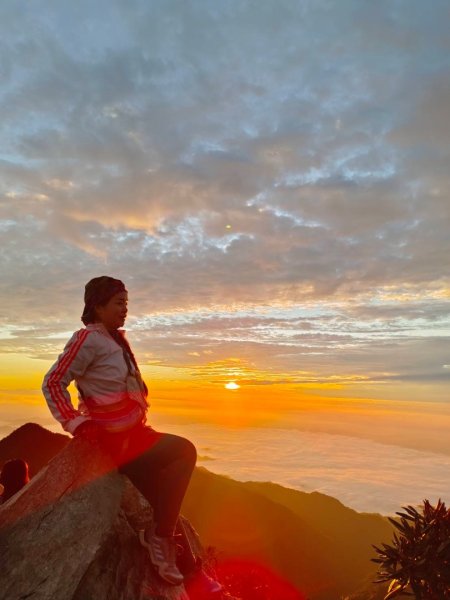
112	410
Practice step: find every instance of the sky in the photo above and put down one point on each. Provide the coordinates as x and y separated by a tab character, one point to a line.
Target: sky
270	180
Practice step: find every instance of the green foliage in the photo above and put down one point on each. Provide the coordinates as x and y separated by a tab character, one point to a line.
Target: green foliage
417	563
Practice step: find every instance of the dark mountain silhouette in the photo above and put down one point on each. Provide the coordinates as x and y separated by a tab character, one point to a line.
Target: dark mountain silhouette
34	444
350	534
310	540
313	540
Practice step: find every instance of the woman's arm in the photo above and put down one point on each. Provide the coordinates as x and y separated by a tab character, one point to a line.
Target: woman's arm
72	363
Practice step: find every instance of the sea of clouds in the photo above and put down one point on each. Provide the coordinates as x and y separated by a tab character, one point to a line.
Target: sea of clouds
364	475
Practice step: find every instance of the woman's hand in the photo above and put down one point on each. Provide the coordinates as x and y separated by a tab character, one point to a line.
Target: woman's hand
88	430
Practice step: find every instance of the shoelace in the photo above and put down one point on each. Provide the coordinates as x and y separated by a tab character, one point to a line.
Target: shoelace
179	547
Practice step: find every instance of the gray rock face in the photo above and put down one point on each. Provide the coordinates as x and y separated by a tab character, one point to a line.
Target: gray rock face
71	534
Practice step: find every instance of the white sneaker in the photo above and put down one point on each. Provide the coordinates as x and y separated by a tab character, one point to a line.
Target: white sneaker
163	554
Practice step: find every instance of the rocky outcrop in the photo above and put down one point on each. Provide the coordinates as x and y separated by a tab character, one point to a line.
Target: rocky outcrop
71	534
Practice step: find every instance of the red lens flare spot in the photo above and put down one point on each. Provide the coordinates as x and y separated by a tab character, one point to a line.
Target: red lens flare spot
252	580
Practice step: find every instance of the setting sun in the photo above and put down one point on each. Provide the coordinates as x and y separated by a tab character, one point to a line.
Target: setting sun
232	385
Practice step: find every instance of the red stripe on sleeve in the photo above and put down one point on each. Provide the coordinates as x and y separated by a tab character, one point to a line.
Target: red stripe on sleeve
56	394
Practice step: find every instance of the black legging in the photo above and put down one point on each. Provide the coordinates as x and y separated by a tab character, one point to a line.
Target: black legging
160	466
162	473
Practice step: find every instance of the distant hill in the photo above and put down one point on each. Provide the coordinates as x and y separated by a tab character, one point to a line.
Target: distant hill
34	444
312	540
317	543
350	533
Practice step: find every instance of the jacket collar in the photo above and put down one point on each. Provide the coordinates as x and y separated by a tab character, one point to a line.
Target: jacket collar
102	329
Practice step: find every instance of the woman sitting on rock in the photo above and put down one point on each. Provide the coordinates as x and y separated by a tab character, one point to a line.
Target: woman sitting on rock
112	410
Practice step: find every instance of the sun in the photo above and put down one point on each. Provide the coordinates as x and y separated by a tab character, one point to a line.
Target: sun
232	385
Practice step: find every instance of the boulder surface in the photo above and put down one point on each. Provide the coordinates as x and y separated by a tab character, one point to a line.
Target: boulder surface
72	534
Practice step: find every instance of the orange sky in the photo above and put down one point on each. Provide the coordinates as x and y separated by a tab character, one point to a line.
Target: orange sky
183	395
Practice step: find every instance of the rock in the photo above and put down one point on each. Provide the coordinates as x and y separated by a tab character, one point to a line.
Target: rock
71	534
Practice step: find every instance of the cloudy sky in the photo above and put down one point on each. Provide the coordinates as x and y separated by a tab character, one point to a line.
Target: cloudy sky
270	179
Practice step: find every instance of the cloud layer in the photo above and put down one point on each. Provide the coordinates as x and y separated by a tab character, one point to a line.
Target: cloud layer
270	179
364	475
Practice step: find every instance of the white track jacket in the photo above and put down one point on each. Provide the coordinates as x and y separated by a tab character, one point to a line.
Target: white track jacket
95	361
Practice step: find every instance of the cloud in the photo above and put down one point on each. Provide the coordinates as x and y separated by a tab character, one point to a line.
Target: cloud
365	475
218	157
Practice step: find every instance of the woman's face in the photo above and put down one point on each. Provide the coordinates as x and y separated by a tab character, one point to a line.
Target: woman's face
114	313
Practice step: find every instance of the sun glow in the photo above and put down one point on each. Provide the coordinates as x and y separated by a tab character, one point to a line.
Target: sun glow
232	385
